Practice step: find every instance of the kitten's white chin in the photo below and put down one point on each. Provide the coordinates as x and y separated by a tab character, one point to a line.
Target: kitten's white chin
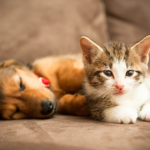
119	93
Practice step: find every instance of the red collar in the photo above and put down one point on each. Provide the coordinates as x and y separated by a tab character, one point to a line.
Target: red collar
45	82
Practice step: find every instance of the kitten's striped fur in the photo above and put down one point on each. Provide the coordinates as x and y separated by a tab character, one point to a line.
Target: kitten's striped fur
105	100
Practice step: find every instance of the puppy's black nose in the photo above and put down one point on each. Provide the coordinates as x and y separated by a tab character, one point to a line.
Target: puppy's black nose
47	107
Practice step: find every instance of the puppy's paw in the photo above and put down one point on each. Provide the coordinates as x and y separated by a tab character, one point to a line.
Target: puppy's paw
145	113
19	115
73	104
79	105
120	114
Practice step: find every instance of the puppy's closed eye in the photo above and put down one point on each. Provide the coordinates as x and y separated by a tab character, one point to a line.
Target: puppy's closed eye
22	86
17	110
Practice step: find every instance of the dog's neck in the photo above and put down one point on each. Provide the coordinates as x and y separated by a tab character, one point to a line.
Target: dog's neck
45	82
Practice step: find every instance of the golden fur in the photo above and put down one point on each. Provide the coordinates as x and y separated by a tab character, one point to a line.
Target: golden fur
66	76
26	103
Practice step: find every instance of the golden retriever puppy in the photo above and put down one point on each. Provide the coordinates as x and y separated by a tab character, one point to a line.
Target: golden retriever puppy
22	95
66	76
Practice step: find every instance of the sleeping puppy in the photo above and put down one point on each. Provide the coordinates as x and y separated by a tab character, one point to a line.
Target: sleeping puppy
22	95
66	76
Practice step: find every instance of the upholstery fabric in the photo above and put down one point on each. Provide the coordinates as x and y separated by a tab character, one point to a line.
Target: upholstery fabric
73	133
33	28
129	20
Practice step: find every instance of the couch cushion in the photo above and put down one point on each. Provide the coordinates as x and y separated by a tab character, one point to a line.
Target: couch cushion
31	28
128	20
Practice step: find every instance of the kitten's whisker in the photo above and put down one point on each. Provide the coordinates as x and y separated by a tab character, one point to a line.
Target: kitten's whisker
104	93
98	95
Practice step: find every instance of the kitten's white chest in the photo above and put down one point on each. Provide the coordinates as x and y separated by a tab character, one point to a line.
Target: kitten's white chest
135	98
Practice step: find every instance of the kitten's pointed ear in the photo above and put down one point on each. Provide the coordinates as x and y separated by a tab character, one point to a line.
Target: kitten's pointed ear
89	49
142	49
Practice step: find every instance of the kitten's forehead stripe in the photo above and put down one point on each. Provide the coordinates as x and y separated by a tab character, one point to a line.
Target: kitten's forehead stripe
110	65
106	51
126	53
115	50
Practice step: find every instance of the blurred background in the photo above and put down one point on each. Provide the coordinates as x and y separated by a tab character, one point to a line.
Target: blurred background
30	29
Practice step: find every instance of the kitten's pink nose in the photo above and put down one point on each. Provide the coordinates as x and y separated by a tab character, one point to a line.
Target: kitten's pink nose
119	87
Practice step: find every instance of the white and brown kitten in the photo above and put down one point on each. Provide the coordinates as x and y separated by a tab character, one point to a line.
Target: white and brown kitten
117	82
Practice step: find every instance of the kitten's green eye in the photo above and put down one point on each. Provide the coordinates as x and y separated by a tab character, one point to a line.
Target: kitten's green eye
129	73
108	73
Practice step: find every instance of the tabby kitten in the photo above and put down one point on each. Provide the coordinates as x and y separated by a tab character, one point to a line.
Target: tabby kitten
117	82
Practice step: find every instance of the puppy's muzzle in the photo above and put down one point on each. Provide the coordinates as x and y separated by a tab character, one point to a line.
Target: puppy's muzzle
47	107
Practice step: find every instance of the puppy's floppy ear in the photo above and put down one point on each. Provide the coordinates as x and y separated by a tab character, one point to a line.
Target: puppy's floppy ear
29	66
8	63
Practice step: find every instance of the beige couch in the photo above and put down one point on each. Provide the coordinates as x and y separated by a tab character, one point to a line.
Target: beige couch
35	28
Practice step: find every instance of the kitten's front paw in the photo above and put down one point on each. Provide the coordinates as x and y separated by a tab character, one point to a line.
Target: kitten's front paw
128	117
120	114
145	113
